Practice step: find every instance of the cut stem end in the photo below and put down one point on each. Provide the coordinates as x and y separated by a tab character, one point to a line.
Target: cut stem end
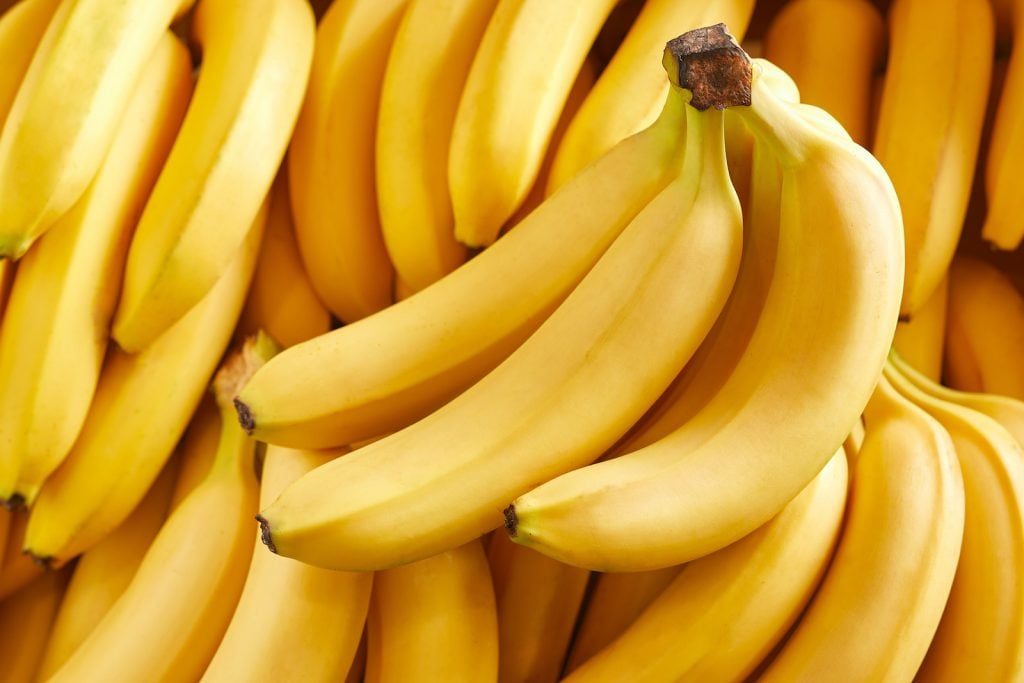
710	64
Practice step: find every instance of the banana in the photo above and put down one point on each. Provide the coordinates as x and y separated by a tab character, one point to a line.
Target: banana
929	127
806	373
102	574
380	374
69	107
331	159
197	449
631	89
879	605
256	58
1003	228
981	634
293	621
723	613
25	621
21	30
167	623
281	300
426	71
142	405
434	620
57	320
564	396
854	442
813	40
920	340
984	330
518	83
614	603
538	600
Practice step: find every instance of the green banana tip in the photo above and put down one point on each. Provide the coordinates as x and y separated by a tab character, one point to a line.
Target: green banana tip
265	533
709	63
511	521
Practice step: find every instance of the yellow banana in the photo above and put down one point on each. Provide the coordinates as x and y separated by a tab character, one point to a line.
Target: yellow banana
197	449
516	88
256	57
723	613
564	396
787	405
102	574
69	107
879	605
854	442
920	340
167	623
434	620
21	29
379	375
331	159
538	600
426	72
615	601
281	300
929	127
984	330
631	89
293	621
142	405
25	621
57	320
814	40
981	635
1003	226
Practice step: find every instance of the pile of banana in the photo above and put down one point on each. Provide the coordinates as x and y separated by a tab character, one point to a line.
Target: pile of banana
511	340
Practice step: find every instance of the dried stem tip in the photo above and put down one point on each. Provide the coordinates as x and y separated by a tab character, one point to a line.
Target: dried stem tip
710	64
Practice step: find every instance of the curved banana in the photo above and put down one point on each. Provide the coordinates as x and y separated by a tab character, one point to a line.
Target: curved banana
725	612
380	374
331	159
984	330
929	127
813	40
614	603
282	301
171	617
878	606
69	107
920	340
981	635
434	620
256	57
293	621
426	71
1003	227
518	84
787	405
631	89
538	600
56	325
102	574
564	396
142	405
25	621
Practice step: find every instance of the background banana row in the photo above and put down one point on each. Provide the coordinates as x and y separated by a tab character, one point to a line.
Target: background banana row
543	339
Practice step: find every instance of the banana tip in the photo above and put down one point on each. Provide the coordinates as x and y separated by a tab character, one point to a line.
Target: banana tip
15	502
265	533
44	561
511	521
245	417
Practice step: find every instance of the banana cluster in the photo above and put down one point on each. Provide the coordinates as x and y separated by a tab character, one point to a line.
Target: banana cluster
542	339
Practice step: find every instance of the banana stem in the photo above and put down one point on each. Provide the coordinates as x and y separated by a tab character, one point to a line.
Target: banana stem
710	64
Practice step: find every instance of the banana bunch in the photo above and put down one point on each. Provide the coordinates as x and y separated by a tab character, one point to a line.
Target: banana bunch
543	340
